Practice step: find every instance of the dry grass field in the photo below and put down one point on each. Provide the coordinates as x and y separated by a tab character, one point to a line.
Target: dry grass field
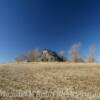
49	81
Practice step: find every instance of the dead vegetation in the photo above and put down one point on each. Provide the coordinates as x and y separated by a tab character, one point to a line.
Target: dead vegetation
77	81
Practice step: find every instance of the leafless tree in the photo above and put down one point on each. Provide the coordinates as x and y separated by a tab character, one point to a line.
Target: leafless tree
92	54
61	54
29	57
21	58
75	52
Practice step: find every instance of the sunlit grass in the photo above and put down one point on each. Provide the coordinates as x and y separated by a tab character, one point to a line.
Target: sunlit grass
83	79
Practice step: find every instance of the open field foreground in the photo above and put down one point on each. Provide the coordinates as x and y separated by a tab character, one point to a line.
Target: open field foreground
49	81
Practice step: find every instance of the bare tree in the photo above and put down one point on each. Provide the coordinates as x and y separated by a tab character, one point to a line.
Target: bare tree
75	52
29	57
33	55
92	54
21	58
61	54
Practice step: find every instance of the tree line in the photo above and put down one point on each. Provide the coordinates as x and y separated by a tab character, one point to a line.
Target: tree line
74	55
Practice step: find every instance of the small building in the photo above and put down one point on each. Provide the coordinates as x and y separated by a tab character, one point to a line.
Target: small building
49	56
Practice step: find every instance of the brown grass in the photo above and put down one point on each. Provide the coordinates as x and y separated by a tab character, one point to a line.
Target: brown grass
82	81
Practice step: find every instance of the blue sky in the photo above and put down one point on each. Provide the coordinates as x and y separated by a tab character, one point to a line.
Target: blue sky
53	24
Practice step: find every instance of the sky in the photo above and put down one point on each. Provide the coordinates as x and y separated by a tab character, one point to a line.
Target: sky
52	24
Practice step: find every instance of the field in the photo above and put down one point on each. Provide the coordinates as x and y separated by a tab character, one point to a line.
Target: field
49	81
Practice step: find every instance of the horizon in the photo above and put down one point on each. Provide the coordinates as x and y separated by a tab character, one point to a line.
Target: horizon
52	24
